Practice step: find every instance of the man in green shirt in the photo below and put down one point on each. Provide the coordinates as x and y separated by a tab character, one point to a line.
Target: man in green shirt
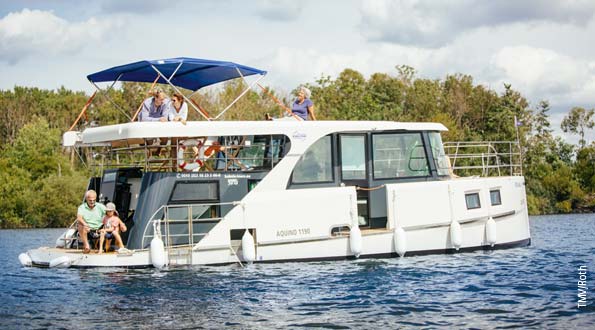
89	216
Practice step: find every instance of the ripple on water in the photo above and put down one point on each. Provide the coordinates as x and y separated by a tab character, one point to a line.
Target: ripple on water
533	287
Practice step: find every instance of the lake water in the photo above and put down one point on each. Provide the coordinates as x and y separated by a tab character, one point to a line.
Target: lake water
532	287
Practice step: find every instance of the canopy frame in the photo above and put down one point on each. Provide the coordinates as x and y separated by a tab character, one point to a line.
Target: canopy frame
138	70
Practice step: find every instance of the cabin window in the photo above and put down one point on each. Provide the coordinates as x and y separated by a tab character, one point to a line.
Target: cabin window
399	155
495	197
194	191
253	152
316	164
353	157
472	201
109	176
340	231
440	159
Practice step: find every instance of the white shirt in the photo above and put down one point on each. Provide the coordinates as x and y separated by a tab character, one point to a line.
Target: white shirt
182	114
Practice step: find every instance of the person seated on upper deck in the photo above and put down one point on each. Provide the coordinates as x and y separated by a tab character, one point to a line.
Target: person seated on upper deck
89	217
303	106
112	226
156	107
179	109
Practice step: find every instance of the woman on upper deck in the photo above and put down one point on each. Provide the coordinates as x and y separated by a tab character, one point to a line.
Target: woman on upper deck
179	109
303	106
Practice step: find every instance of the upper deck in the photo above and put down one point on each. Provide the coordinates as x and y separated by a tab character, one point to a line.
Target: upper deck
297	131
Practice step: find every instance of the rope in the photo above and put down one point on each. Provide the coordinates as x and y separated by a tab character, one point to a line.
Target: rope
370	189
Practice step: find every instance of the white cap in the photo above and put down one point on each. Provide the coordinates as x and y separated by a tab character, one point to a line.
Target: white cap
110	207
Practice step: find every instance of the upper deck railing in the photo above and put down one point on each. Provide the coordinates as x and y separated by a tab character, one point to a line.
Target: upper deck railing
490	158
171	155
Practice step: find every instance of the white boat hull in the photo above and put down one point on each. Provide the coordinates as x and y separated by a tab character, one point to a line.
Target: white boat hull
375	244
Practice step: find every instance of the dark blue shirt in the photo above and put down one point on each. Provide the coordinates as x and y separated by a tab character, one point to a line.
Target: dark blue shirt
301	110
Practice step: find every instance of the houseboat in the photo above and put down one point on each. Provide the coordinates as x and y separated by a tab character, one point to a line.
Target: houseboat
220	192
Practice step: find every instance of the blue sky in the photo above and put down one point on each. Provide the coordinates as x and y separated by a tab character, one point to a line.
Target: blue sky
545	48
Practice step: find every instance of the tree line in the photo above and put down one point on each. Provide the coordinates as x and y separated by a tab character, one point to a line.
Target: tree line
41	186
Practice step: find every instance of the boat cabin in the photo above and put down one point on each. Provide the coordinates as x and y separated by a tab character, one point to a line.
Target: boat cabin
143	171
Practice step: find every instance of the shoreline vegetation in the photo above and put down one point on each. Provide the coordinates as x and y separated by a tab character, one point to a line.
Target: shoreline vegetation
41	186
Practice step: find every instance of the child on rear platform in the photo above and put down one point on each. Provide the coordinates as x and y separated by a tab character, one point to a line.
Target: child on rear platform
112	226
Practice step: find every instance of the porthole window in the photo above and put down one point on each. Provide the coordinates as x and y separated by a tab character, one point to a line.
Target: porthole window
495	197
472	201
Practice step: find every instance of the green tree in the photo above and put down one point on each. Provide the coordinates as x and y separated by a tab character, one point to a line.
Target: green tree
577	121
585	167
15	184
37	150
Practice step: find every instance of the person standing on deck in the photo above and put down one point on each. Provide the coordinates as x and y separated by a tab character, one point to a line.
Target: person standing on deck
303	106
89	217
156	107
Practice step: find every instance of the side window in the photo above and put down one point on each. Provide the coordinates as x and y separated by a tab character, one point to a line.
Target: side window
398	155
353	157
194	191
200	194
440	159
472	201
495	197
316	163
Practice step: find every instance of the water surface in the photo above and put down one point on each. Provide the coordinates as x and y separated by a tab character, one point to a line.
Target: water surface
532	287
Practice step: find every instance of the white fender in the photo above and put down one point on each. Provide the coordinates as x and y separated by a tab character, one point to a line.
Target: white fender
248	249
61	242
456	235
157	253
491	231
61	262
25	259
400	241
355	240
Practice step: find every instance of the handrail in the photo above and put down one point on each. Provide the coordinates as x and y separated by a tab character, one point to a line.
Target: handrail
487	156
165	221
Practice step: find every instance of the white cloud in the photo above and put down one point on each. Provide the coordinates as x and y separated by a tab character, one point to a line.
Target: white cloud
430	23
542	72
36	32
279	10
134	6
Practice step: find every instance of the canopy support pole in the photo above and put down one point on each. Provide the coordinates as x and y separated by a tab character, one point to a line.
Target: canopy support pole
240	96
280	104
198	105
83	111
143	101
109	98
177	90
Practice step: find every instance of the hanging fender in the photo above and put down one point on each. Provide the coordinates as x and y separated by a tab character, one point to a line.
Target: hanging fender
355	240
456	234
400	239
491	231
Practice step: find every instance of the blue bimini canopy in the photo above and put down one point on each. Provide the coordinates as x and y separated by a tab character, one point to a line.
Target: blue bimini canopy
189	73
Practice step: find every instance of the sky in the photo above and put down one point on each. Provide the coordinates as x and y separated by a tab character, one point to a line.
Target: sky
544	48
